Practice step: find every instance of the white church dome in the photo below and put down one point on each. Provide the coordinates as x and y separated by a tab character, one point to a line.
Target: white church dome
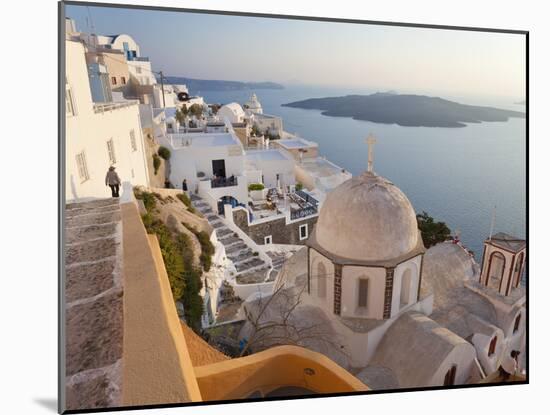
367	218
253	104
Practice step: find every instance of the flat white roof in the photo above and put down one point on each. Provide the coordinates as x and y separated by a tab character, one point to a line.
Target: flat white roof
265	155
296	143
211	140
320	167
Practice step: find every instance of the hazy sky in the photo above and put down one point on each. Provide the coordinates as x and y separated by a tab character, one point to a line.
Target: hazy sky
459	63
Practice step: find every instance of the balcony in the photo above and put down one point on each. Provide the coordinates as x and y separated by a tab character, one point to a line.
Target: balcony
102	107
224	182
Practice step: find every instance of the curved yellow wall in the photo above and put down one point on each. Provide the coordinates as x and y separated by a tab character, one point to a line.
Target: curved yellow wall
271	369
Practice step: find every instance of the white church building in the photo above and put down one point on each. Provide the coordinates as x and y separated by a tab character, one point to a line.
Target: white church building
394	313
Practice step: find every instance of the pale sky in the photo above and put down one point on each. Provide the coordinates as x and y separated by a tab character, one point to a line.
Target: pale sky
424	61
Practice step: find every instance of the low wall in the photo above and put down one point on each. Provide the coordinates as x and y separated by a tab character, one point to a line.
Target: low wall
246	290
157	368
269	370
281	231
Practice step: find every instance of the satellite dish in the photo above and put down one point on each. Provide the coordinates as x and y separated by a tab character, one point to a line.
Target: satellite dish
183	96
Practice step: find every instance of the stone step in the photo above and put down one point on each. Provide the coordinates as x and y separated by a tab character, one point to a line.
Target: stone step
92	204
249	265
241	256
222	232
235	248
229	240
218	225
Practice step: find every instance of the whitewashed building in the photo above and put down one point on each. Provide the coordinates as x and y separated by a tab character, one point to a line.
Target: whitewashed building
232	112
98	135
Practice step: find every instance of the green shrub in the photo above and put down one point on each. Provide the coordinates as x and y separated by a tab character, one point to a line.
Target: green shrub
255	186
149	200
256	254
187	202
171	255
177	254
184	199
156	163
432	232
164	153
207	249
299	186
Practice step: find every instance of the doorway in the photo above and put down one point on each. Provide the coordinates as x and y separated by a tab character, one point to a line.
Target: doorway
218	168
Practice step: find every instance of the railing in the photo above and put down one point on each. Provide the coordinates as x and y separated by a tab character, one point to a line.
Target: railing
303	212
223	182
307	197
110	106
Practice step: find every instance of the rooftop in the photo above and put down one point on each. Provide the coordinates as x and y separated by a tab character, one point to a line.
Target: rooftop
296	143
265	155
203	140
508	242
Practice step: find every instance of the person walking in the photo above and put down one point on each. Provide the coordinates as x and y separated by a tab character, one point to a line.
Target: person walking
113	181
184	185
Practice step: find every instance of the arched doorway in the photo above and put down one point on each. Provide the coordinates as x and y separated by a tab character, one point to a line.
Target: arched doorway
518	268
497	263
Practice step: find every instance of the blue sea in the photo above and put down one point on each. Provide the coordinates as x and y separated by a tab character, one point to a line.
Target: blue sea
457	175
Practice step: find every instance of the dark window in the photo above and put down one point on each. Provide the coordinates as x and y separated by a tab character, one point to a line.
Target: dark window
492	346
113	80
362	301
450	376
516	323
123	80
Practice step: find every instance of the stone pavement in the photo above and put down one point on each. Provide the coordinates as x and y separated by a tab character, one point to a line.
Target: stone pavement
93	304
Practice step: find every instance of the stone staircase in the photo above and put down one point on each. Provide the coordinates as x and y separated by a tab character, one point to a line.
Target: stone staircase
93	303
236	249
278	260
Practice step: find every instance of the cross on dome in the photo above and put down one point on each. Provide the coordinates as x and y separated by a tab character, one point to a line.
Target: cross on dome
370	140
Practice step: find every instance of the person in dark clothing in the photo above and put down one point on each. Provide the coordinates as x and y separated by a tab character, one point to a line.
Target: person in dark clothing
113	181
184	185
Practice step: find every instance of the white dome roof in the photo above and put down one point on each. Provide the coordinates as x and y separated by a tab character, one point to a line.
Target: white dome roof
253	102
367	218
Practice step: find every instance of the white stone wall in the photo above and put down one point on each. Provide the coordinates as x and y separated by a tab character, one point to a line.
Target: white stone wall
350	291
413	266
89	132
327	303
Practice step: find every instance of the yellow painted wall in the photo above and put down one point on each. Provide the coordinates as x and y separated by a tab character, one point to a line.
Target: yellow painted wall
271	369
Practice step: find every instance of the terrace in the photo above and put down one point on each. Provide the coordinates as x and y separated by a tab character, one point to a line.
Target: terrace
297	205
102	107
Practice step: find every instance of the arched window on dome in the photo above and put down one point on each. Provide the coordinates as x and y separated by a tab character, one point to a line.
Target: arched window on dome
322	278
450	376
492	346
406	281
518	268
516	323
363	293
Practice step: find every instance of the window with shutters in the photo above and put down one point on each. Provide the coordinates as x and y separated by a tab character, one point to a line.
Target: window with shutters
322	278
492	346
363	293
69	102
82	167
450	376
111	151
113	80
133	143
516	323
303	232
